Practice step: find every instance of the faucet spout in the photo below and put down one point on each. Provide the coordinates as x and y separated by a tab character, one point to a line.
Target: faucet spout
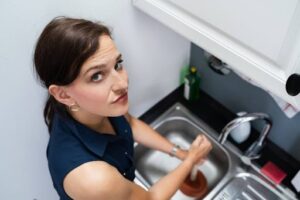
254	150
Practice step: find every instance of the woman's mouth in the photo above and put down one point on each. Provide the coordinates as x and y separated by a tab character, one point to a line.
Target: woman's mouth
121	99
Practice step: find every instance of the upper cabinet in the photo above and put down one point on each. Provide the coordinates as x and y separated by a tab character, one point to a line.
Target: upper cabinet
258	38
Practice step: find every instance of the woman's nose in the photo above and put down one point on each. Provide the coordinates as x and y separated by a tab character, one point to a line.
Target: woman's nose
120	84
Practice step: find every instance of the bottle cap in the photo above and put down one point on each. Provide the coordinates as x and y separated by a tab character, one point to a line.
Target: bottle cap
193	69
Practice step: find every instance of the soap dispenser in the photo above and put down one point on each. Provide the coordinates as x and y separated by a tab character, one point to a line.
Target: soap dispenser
241	133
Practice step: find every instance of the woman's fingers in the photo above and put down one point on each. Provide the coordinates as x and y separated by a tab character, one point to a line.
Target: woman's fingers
202	141
198	140
199	148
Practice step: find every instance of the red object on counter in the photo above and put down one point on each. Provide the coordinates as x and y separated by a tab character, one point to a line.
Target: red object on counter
273	172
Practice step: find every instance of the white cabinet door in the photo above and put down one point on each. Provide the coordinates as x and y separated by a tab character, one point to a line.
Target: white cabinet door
259	38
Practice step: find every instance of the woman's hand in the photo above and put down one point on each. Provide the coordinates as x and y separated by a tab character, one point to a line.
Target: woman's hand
182	154
199	149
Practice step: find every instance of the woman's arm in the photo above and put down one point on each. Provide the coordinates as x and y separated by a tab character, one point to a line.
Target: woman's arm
147	136
99	180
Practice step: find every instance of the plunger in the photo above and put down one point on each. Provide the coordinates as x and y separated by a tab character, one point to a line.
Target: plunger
195	185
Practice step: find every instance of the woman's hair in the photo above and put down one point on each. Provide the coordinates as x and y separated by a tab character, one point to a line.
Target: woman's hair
62	48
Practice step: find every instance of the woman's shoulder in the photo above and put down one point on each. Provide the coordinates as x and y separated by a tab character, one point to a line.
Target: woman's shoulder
96	179
61	142
65	151
99	180
63	157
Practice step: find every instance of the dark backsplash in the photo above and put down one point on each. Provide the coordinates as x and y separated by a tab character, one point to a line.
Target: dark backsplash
238	95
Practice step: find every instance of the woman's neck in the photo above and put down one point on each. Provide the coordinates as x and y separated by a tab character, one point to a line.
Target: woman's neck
94	122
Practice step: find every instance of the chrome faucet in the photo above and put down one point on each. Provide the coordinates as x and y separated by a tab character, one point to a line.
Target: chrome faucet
253	152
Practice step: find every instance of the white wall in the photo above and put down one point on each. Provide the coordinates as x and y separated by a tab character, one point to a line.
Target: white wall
153	55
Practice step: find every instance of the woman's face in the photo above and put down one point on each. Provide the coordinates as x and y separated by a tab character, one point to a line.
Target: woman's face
101	87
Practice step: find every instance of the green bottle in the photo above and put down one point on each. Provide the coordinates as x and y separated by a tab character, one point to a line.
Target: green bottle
183	72
191	85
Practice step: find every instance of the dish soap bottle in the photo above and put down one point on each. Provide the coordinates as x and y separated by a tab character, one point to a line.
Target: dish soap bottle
191	85
183	73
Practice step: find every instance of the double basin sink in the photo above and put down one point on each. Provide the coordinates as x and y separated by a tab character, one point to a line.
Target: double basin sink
228	177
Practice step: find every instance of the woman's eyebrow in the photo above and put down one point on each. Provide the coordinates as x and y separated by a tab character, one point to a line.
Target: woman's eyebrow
118	57
101	65
95	67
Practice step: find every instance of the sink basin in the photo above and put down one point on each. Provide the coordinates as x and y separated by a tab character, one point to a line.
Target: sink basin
227	175
180	128
246	186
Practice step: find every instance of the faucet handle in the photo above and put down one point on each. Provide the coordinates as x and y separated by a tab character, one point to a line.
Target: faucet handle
254	151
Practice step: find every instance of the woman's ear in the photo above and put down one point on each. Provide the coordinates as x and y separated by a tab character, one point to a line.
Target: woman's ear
60	94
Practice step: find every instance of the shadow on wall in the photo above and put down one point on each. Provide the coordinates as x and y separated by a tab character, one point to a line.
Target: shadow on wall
239	95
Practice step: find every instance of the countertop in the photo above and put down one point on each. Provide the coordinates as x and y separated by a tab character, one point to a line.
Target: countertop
217	116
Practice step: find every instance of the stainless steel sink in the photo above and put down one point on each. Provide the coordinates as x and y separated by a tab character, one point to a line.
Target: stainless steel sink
246	186
223	169
153	164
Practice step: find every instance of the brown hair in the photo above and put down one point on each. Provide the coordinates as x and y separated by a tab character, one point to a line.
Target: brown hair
62	48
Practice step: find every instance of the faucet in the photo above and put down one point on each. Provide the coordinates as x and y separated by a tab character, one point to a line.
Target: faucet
253	152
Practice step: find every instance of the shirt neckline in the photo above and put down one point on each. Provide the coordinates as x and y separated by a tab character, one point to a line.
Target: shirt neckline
96	132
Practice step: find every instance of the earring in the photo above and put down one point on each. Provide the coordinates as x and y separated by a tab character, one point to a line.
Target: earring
74	107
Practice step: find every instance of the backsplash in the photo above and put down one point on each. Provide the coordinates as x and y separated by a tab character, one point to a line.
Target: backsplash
238	95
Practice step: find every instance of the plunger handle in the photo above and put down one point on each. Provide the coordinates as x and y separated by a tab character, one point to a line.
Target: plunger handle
194	171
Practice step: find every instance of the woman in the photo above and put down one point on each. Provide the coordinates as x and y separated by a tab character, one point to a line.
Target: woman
90	151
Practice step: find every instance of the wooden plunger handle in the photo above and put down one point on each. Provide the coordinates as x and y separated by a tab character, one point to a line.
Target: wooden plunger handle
194	172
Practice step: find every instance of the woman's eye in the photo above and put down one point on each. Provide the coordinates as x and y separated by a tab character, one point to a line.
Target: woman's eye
97	77
119	65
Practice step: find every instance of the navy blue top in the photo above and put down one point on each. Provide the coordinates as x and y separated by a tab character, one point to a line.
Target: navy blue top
71	144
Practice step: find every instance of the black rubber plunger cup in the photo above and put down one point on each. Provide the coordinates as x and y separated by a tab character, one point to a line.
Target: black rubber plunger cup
194	188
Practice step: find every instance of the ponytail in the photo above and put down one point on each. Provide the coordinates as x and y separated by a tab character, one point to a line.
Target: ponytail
52	107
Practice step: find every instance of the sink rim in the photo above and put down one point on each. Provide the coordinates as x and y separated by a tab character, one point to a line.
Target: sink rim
186	116
259	182
218	158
